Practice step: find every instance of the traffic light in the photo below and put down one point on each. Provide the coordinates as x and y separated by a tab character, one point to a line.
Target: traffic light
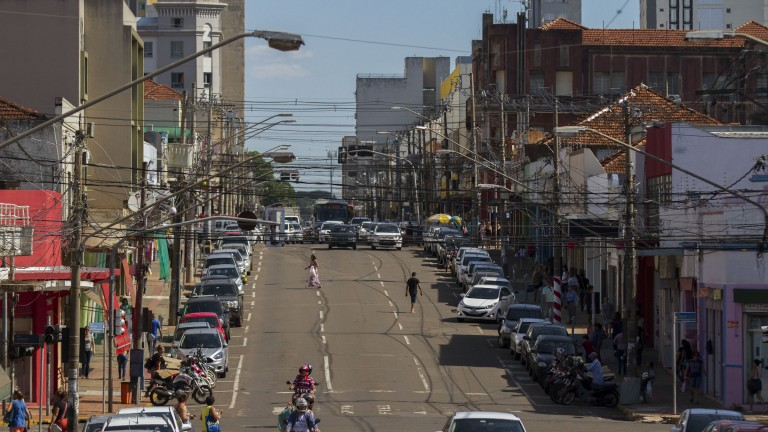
342	155
764	331
50	334
118	322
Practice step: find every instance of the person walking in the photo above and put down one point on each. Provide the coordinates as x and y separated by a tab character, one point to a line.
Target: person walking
755	384
314	273
122	363
537	282
571	298
155	333
411	287
620	346
607	310
210	416
585	294
59	411
548	297
88	345
695	375
182	410
18	414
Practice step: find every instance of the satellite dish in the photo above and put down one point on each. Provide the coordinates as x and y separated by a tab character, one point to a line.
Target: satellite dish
134	200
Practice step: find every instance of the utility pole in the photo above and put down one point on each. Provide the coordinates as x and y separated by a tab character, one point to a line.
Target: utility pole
190	233
76	261
137	309
630	317
557	236
173	306
476	192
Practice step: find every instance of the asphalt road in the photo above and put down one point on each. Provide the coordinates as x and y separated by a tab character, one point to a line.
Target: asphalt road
381	368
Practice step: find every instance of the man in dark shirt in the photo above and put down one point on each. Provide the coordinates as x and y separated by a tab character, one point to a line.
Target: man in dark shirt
411	287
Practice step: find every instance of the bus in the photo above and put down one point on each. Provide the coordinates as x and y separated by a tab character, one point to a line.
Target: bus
331	210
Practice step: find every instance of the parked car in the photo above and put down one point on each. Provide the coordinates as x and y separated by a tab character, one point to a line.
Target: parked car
139	422
208	304
483	421
95	423
543	352
209	318
213	345
182	327
325	229
227	293
468	259
735	426
487	272
697	419
460	255
246	259
386	235
532	335
234	240
228	271
483	302
474	266
236	257
342	236
513	338
296	234
216	259
167	412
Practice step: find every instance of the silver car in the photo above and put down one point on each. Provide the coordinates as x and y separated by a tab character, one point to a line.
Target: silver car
213	345
386	235
229	271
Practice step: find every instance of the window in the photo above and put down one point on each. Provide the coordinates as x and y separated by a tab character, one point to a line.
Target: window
148	50
207	78
564	60
206	45
177	80
177	49
762	85
665	83
536	81
608	83
178	22
659	194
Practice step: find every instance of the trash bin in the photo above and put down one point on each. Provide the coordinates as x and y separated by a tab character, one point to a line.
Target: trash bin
126	392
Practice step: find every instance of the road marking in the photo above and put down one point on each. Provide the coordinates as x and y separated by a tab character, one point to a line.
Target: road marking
255	278
253	303
237	382
382	283
319	302
417	412
375	268
400	325
379	275
317	293
327	373
245	341
477	394
323	338
421	374
384	409
385	292
321	315
258	269
395	312
391	304
253	294
480	329
246	328
514	380
407	342
381	391
249	317
346	410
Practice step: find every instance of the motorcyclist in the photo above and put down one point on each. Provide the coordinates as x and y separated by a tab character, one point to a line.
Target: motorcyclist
303	419
596	368
304	383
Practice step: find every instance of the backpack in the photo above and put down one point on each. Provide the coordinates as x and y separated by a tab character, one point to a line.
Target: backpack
148	363
282	418
294	417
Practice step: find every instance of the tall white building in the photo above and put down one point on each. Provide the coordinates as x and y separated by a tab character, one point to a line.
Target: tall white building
543	11
701	14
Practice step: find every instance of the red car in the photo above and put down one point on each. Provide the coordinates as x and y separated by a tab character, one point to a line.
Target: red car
209	317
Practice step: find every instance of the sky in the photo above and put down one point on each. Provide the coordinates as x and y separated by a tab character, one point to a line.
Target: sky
344	38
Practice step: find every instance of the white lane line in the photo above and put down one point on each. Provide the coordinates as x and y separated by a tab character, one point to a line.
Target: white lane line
255	278
381	391
477	394
321	315
407	341
258	269
327	373
323	338
319	302
391	304
322	327
384	409
480	329
421	374
379	275
247	328
400	325
245	341
317	293
253	295
345	410
511	375
386	293
237	382
249	317
375	268
253	303
395	312
415	412
382	283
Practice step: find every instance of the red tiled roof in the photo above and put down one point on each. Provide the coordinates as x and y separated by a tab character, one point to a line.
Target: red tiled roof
754	29
562	24
13	111
648	106
155	91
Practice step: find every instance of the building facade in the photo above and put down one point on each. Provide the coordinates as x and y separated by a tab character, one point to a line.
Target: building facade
701	15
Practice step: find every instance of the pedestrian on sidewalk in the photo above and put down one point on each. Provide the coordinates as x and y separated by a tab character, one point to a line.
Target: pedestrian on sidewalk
122	362
59	411
620	346
548	297
596	338
695	375
755	384
88	345
607	310
155	333
617	326
571	298
411	285
584	300
587	346
684	355
19	417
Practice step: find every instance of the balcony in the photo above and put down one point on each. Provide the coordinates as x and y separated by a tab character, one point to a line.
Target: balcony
180	155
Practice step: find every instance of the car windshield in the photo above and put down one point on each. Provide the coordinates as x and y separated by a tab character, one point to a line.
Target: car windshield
234	240
218	260
469	258
234	254
549	330
205	340
342	229
367	225
211	320
219	289
697	422
483	293
387	229
296	226
225	271
204	306
477	424
548	347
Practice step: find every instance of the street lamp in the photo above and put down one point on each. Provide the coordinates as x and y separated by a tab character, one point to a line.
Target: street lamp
277	40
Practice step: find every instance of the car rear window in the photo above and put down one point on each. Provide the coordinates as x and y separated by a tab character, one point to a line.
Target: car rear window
218	260
220	289
203	306
211	320
549	330
697	422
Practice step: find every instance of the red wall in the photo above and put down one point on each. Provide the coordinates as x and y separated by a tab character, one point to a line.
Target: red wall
45	215
658	143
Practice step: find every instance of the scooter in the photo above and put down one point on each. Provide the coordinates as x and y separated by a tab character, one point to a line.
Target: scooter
305	393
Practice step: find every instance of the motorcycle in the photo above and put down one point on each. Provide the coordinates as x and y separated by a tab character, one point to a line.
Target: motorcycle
581	385
305	393
166	387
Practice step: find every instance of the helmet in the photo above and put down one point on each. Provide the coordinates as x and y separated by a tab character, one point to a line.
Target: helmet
560	353
305	369
301	404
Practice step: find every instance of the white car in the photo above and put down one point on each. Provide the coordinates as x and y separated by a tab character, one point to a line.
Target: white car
140	422
366	228
461	273
483	302
167	412
386	235
325	228
483	421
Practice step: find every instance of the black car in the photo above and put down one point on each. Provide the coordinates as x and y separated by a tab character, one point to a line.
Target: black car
208	304
535	331
543	352
228	294
342	236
